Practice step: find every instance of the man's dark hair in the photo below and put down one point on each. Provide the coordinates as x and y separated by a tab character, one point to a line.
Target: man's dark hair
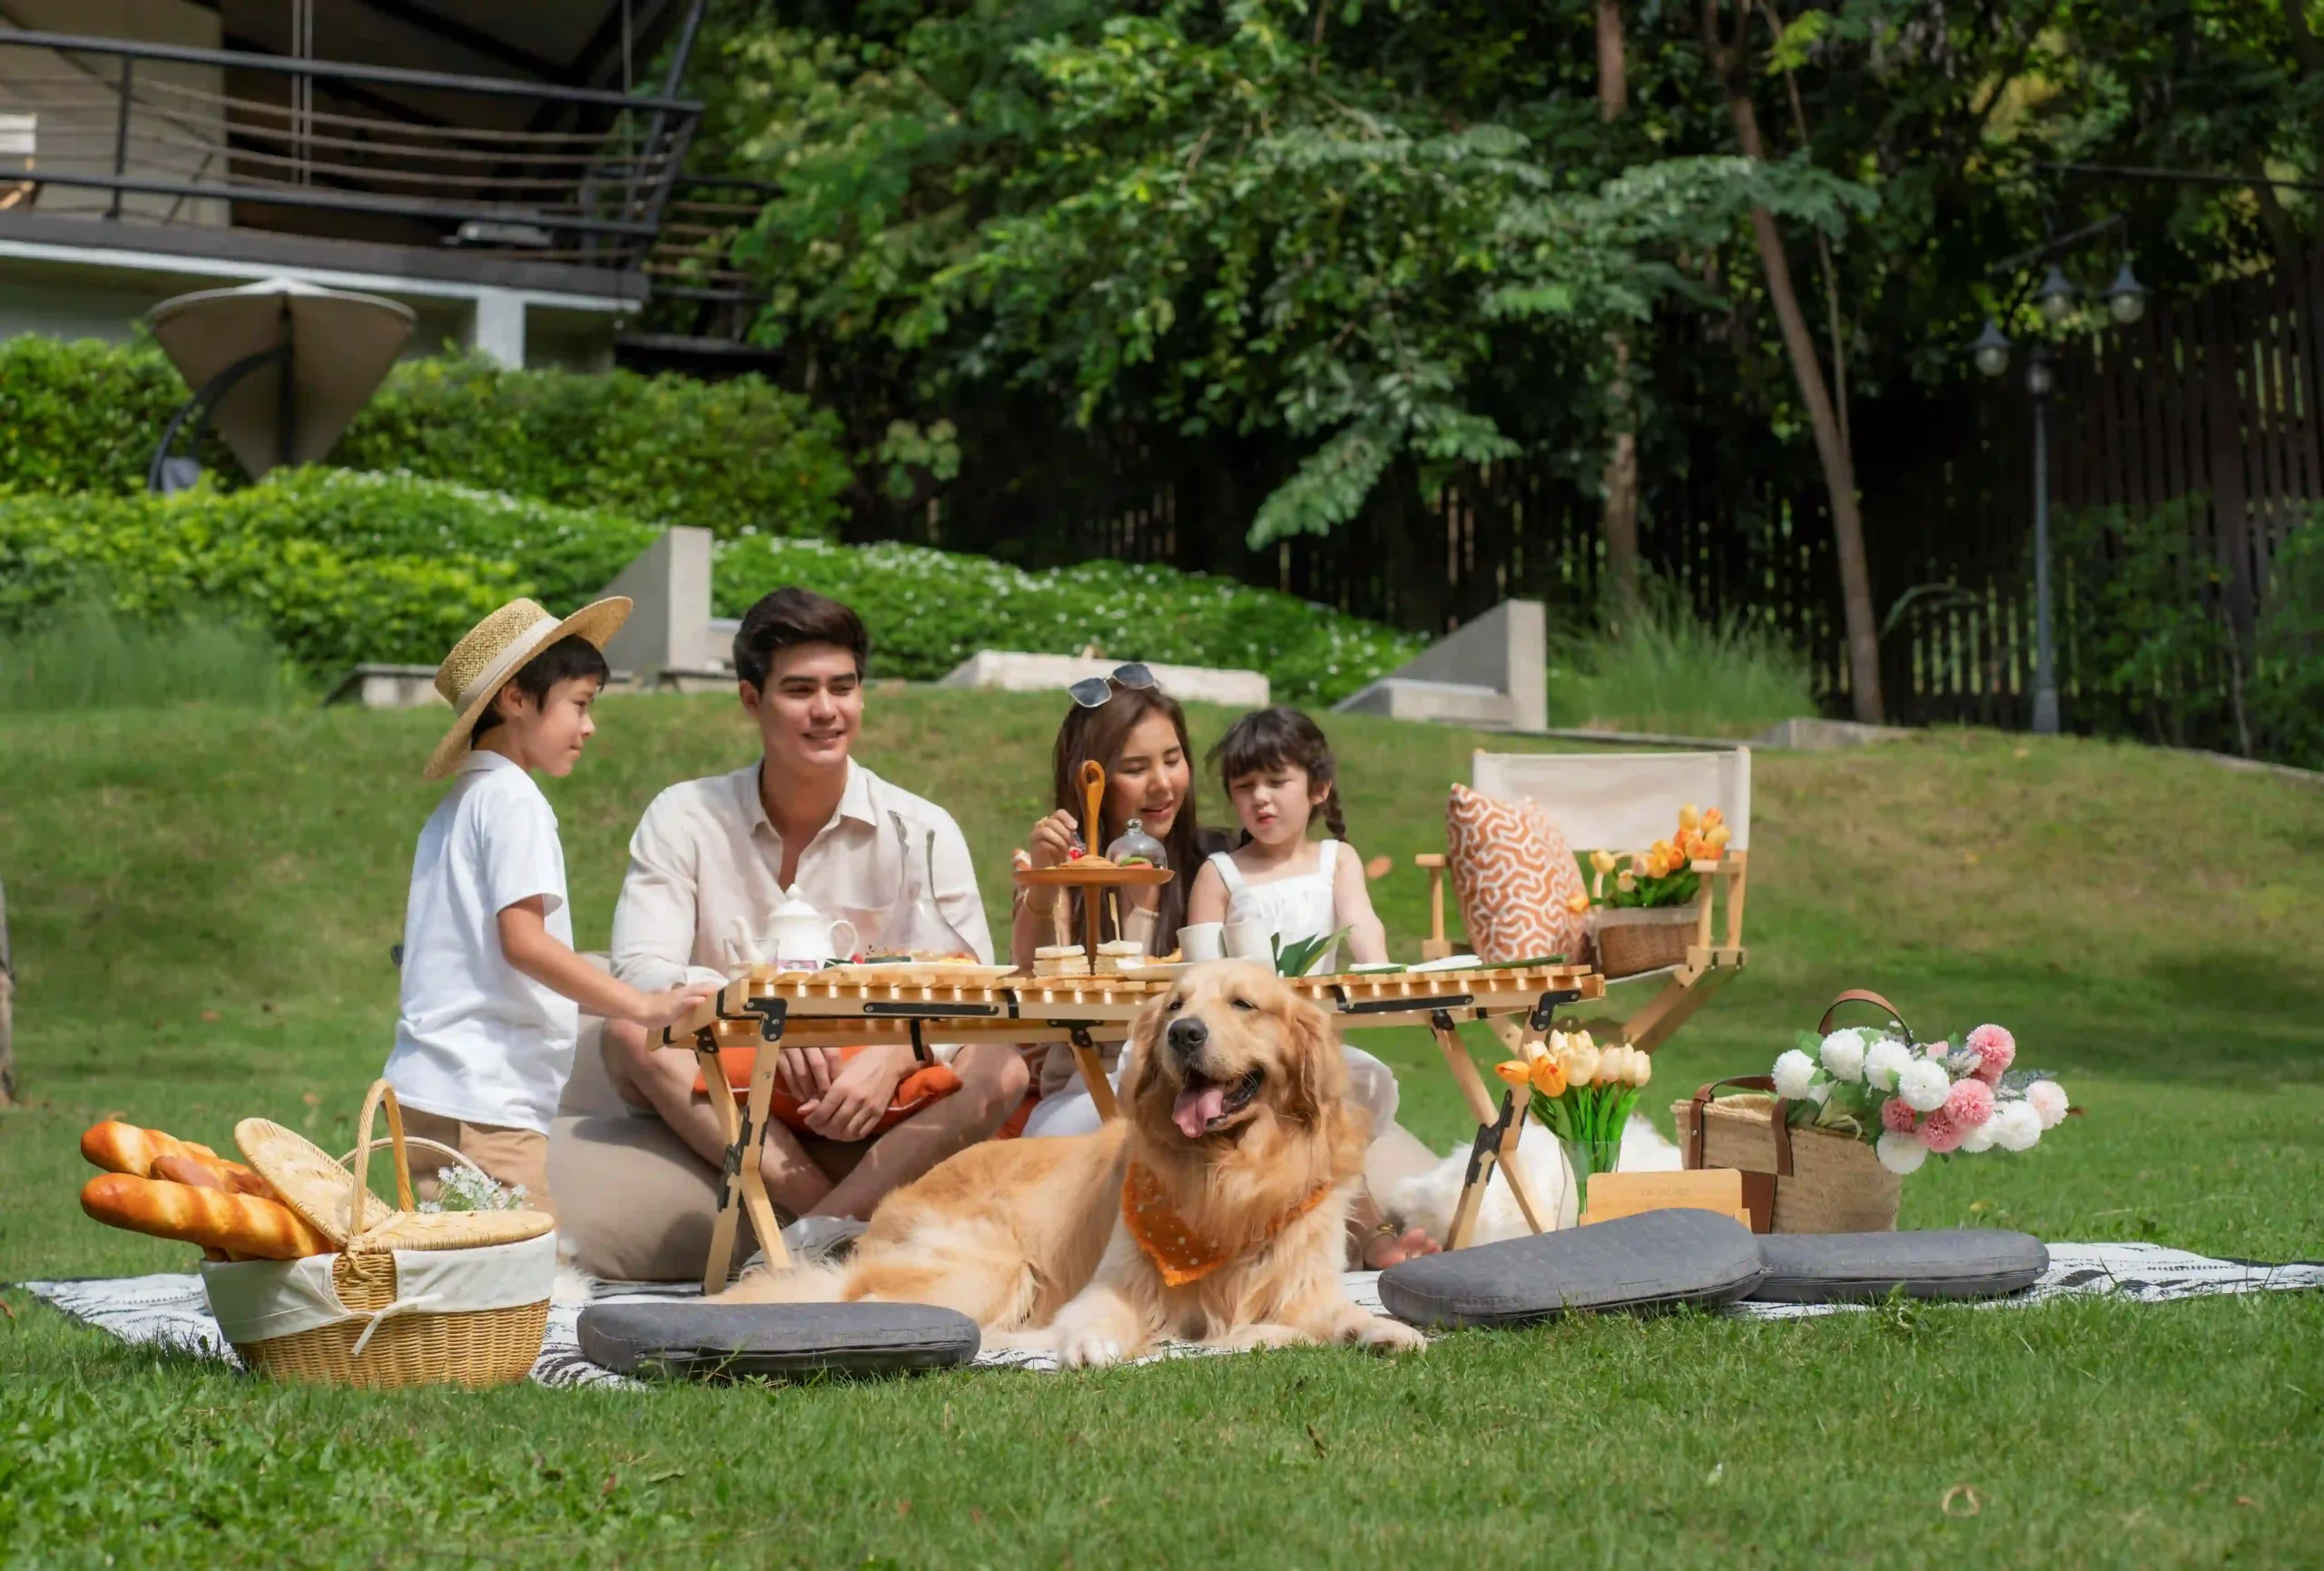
792	615
571	656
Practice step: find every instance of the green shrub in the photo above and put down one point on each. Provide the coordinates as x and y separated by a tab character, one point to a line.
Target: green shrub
739	458
90	657
337	567
929	610
2286	696
1666	670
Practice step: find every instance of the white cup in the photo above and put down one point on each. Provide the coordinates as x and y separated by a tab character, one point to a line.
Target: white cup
1252	941
1202	941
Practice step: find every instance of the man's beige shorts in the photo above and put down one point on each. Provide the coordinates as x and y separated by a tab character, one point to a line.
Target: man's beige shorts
512	1156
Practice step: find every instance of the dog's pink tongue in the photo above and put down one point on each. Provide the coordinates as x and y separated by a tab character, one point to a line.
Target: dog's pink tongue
1196	1109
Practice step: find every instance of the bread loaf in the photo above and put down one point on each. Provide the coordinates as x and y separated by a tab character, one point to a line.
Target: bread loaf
124	1148
239	1224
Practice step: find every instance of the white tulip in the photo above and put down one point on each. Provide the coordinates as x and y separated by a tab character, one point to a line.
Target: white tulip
1885	1061
1923	1085
1900	1153
1641	1067
1842	1055
1795	1073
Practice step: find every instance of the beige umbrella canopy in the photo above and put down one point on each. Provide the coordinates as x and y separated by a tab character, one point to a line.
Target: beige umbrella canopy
282	367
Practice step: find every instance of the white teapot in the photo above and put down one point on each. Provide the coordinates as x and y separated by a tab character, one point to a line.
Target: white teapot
803	938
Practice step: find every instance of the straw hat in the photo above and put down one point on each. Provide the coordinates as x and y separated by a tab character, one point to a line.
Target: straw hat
495	649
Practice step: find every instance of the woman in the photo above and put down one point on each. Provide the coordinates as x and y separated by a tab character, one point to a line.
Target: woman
1138	734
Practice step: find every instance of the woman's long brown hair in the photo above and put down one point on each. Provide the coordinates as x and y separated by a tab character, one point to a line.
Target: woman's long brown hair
1099	734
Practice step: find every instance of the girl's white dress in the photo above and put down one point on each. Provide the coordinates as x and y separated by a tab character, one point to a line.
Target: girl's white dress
1304	906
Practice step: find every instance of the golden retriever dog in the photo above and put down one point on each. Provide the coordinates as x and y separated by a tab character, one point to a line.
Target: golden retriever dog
1213	1209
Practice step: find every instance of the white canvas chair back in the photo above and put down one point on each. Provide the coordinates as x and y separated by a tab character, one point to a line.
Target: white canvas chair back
1621	801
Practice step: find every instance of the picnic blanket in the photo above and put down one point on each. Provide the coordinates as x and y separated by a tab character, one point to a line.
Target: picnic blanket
171	1310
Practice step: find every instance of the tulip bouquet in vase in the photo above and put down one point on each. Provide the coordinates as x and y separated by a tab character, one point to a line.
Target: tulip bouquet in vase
1583	1093
1641	903
1910	1100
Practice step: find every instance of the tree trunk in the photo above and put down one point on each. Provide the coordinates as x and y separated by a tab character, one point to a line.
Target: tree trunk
1800	346
1620	475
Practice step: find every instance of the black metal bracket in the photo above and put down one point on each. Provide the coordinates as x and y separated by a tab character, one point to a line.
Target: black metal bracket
771	1010
881	1009
1488	1137
1080	1036
919	1047
1547	1004
1436	1005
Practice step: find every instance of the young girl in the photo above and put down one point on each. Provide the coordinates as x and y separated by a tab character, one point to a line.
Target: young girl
1278	772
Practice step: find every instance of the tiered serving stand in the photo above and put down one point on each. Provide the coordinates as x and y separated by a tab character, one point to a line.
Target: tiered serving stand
847	1005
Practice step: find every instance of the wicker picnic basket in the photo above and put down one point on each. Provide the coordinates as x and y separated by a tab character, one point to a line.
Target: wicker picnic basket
1632	939
1795	1180
410	1299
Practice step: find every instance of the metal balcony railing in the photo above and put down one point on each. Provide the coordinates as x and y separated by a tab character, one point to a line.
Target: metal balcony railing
157	133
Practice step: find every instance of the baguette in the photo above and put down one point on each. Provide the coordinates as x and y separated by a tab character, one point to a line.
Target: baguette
239	1224
124	1148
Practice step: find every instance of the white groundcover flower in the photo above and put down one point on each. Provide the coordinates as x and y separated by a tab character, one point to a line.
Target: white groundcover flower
1923	1085
1979	1138
1885	1061
1842	1055
1900	1153
2047	1097
2015	1126
1795	1073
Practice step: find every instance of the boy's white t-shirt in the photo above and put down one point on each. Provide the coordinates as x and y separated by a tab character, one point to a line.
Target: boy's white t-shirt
477	1040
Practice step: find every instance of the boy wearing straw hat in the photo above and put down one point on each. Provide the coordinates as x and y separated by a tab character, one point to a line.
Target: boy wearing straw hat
492	988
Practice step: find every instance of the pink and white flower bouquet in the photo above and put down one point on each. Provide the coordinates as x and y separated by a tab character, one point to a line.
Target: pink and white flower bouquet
1909	1100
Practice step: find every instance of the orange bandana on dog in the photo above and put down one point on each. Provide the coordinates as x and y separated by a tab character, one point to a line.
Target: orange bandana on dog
1180	1254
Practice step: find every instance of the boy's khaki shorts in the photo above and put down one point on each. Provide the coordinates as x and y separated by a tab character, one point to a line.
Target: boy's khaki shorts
512	1156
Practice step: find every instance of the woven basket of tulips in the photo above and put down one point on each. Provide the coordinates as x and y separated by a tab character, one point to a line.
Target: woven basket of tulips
1642	903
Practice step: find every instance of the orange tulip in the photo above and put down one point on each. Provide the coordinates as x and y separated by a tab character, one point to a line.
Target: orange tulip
1578	902
1515	1071
1689	816
1549	1079
1712	819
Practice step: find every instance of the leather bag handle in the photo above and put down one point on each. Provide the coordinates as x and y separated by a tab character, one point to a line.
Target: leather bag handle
1782	1127
1861	995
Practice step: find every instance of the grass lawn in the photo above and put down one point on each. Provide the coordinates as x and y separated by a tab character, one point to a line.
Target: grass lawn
203	903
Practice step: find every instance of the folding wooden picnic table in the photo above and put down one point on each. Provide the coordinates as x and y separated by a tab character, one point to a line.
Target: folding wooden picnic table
847	1006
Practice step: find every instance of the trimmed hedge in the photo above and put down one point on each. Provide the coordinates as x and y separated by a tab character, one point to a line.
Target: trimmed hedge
739	458
341	567
930	610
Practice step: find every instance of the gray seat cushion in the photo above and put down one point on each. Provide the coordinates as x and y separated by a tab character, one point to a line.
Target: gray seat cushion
1652	1260
1950	1263
711	1341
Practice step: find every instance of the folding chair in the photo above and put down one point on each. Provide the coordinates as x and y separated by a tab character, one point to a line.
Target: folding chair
1625	802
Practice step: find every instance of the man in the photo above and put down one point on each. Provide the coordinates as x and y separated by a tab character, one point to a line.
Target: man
712	859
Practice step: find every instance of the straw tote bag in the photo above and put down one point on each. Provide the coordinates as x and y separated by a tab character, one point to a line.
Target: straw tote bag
410	1299
1795	1180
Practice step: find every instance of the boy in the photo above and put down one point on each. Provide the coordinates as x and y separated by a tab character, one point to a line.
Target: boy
492	989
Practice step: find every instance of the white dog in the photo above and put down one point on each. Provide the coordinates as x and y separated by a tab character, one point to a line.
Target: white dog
1426	1199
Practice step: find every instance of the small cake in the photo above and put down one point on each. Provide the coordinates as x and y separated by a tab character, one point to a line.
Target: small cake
1120	952
1060	959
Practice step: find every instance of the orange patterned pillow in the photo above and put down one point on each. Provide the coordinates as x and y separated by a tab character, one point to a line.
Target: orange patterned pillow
1514	877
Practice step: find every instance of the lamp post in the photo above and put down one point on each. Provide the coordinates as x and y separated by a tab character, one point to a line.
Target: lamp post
2125	301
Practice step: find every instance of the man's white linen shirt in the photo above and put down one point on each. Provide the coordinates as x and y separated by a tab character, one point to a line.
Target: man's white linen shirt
476	1039
704	866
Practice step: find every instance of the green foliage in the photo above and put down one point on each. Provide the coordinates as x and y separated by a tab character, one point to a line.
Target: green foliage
342	566
87	657
929	610
1659	667
337	567
2286	695
1301	955
738	458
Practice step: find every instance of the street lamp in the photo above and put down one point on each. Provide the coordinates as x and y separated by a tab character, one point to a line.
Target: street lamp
2055	297
2126	296
1991	350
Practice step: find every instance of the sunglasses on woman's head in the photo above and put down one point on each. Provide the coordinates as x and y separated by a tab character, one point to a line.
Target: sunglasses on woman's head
1093	691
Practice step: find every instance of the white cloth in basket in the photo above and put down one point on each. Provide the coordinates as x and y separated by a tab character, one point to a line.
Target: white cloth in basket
260	1300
